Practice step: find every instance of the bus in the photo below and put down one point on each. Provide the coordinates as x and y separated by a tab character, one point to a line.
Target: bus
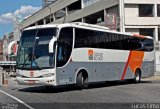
79	54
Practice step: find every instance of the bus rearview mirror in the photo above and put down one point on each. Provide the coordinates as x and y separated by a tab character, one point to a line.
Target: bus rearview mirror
51	45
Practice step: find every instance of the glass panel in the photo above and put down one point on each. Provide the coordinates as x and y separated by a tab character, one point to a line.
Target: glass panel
33	50
146	10
64	46
105	40
158	10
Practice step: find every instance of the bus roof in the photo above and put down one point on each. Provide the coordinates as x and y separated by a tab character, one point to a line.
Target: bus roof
86	26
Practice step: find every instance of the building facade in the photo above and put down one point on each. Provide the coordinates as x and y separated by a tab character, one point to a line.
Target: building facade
47	2
8	48
5	47
133	16
1	50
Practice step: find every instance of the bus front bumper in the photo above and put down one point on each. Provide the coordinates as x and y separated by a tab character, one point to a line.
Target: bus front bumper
48	81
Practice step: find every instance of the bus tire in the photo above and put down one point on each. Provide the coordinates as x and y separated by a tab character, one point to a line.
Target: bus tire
85	83
82	81
48	87
137	76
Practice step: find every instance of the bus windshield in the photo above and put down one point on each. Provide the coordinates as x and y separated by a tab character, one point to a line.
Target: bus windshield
33	50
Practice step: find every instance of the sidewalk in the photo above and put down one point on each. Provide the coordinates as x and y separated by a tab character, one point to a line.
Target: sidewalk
157	73
153	78
12	81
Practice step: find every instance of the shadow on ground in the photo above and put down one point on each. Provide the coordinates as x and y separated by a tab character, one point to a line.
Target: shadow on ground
59	89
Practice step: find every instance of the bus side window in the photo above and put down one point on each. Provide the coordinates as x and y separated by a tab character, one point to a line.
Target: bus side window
64	46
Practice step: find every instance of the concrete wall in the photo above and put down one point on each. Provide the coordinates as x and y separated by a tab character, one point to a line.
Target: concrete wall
142	21
132	17
141	1
131	10
101	5
132	30
46	12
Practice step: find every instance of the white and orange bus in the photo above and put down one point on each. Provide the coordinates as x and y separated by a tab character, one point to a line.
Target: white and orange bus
80	53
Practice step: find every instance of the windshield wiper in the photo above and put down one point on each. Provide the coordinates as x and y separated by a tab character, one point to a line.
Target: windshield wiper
36	65
24	64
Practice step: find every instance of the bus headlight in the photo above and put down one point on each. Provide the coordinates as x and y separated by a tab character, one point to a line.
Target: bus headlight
48	75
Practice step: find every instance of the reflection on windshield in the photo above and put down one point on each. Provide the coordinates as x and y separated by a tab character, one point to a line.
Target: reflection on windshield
33	50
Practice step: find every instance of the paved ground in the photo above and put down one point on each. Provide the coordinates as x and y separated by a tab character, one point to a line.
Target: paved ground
153	78
97	96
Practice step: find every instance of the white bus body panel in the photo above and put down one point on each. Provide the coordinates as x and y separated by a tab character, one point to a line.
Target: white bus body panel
108	65
28	77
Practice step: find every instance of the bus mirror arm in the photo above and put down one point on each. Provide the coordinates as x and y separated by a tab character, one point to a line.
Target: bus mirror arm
18	42
52	44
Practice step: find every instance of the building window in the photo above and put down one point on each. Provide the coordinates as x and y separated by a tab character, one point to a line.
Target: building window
158	10
146	10
59	14
49	19
74	7
40	22
146	31
88	2
95	18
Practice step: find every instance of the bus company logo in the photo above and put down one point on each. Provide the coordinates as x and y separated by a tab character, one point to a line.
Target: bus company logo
31	74
90	54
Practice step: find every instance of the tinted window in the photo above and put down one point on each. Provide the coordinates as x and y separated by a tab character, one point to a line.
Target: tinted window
148	44
105	40
64	46
146	10
33	49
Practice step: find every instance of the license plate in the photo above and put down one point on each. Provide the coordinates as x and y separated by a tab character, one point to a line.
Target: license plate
31	82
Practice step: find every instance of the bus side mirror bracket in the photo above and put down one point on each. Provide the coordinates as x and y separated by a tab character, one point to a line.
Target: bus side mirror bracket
51	45
18	42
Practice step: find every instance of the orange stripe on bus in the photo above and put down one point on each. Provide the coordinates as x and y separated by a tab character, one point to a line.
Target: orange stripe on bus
126	66
135	60
140	36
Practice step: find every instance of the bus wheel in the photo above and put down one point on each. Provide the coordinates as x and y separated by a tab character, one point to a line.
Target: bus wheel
82	81
137	76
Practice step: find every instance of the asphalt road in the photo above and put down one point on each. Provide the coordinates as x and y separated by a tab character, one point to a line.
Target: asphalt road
98	96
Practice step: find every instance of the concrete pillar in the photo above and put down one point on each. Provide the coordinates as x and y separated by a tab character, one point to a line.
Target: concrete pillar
122	15
105	13
54	18
44	21
66	11
82	6
49	15
155	10
0	78
36	23
156	34
82	20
